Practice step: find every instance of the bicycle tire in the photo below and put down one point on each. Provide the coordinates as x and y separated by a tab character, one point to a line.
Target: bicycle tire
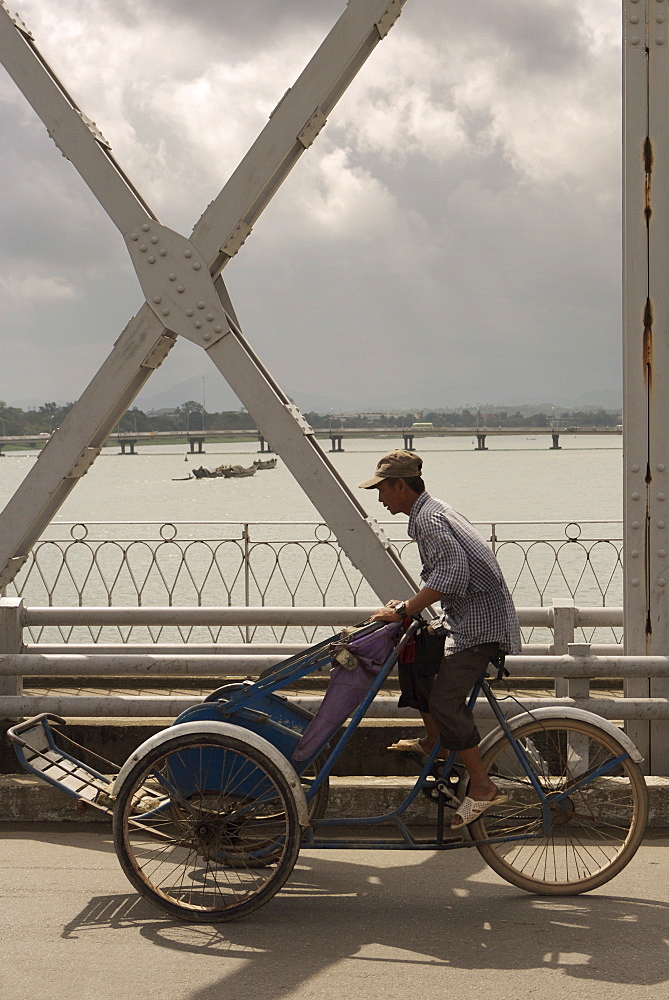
593	834
206	827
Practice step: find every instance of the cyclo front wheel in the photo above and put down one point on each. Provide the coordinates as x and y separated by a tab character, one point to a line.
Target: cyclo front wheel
206	827
594	831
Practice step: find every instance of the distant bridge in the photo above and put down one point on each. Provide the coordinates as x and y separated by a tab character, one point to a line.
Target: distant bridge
196	439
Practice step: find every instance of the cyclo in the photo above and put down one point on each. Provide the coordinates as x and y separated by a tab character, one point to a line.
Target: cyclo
209	815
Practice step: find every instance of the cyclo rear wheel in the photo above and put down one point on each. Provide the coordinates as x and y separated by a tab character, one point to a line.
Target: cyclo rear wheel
317	806
206	827
594	832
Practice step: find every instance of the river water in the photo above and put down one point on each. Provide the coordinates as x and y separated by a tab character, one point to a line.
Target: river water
519	478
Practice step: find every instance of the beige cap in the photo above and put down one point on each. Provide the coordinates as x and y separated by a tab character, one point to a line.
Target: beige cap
395	465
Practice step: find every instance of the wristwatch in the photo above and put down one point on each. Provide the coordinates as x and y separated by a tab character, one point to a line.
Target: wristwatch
401	609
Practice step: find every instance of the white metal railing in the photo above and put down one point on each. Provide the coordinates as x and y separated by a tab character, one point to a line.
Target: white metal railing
568	664
561	621
280	563
18	660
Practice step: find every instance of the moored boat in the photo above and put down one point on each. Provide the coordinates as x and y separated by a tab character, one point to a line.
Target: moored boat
239	472
202	473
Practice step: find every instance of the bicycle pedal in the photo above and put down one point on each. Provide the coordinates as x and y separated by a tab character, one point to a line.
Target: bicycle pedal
434	790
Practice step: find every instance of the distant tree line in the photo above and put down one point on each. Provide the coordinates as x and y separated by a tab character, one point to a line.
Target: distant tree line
42	420
468	417
191	416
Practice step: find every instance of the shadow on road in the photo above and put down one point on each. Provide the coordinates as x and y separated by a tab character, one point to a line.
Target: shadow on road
437	911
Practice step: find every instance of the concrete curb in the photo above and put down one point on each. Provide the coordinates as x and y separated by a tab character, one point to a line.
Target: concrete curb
25	798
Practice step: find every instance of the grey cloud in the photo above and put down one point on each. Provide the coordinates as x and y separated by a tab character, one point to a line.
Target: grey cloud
251	22
536	37
463	281
231	30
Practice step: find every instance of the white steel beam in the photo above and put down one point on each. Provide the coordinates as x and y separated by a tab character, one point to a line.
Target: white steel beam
646	354
635	295
657	354
77	137
70	451
178	278
292	127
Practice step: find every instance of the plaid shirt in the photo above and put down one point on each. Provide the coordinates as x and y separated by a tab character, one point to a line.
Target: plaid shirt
476	603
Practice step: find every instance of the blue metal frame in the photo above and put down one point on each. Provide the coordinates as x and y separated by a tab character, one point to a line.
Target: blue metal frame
43	721
318	657
237	706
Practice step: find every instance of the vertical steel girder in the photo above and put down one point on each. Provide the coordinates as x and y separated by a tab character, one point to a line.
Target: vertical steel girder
646	354
186	296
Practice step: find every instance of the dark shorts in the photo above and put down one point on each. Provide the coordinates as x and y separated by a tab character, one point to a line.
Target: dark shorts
447	701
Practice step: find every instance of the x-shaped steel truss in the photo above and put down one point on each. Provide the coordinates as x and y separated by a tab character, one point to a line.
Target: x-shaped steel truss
186	296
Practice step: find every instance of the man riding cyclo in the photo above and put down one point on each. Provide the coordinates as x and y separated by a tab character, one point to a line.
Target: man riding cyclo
478	620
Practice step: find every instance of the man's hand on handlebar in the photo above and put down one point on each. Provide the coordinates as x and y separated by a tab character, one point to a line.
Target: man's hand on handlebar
387	613
425	598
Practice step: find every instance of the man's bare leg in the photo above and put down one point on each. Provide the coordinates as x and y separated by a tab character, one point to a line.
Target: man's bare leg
431	733
481	788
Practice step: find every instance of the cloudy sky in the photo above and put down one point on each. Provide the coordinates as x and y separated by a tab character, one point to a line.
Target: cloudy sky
452	237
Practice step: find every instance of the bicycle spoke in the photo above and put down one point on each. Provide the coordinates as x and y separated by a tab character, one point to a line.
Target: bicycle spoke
226	838
595	820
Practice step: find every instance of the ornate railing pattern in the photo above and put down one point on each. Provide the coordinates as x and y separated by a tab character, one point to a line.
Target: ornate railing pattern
286	563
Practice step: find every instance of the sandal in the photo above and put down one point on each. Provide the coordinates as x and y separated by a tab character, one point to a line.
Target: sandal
471	809
412	746
407	746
